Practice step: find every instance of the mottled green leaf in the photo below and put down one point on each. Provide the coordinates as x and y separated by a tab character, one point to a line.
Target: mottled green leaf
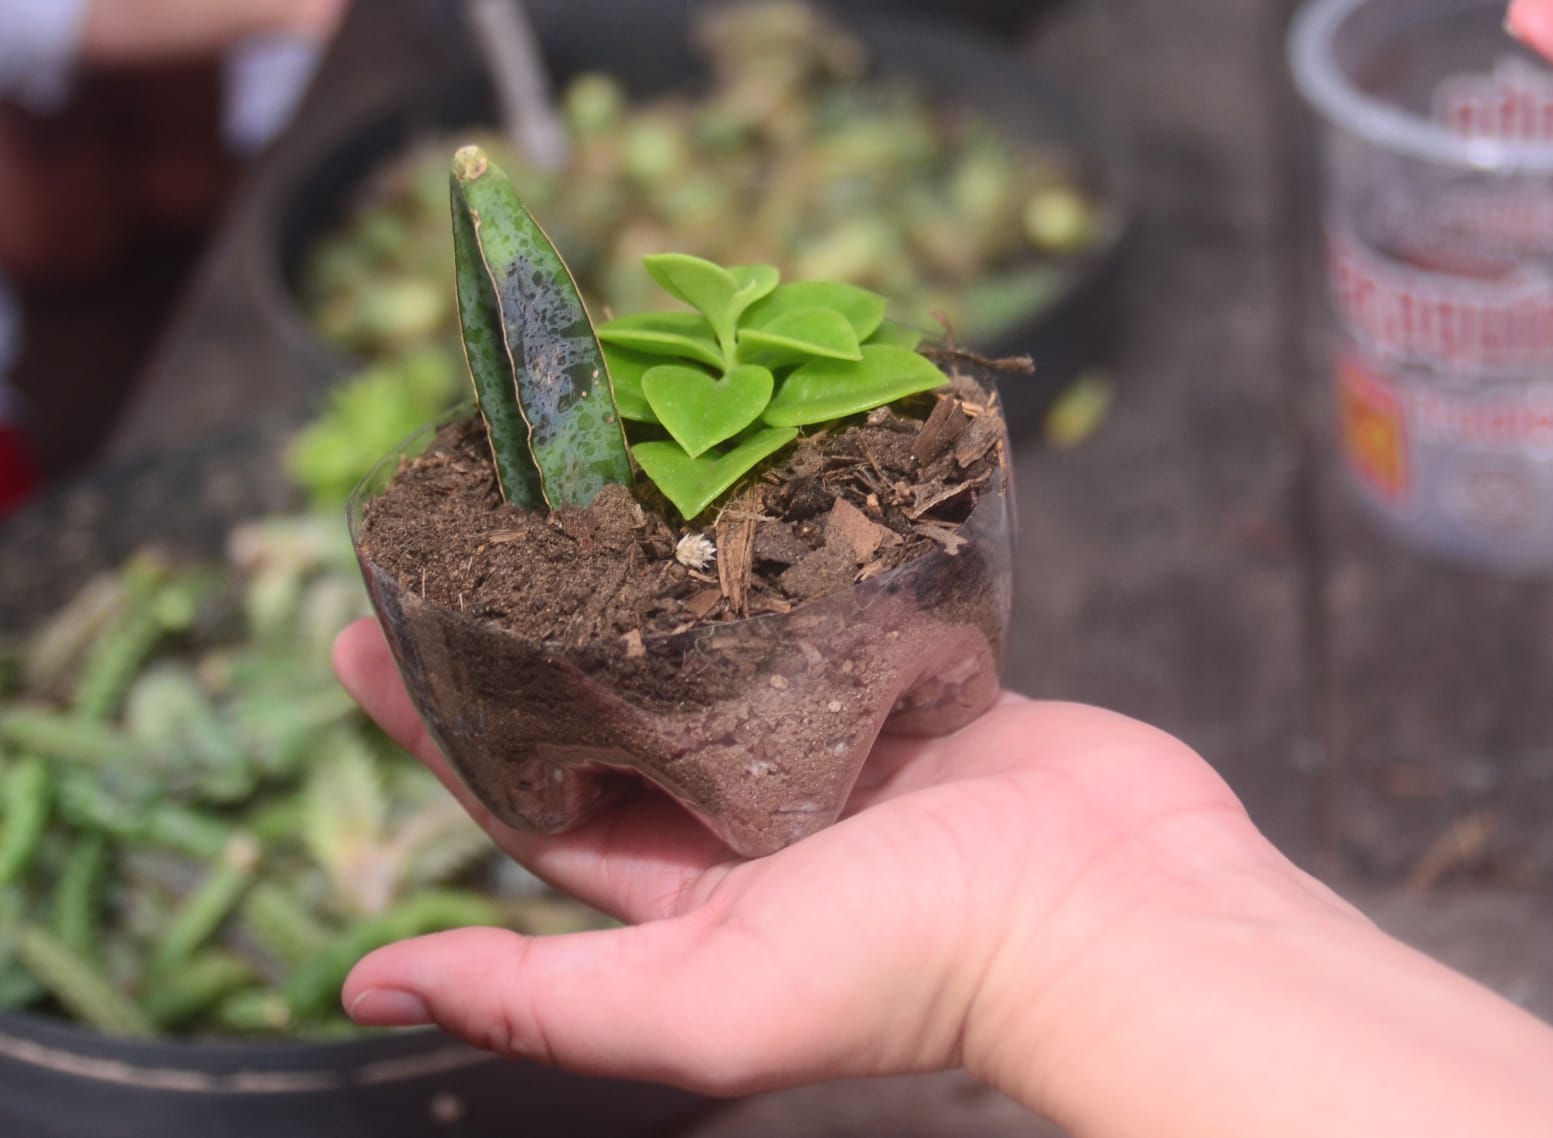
490	365
693	484
665	334
862	309
803	333
575	436
626	369
700	410
822	390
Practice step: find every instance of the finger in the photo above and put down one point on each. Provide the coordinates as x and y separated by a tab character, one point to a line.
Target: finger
1532	22
683	1002
632	860
900	765
635	859
366	668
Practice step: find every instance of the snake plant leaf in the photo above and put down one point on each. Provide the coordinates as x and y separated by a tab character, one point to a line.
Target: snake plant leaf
693	484
575	436
626	369
683	334
700	410
862	309
490	365
719	294
802	333
822	390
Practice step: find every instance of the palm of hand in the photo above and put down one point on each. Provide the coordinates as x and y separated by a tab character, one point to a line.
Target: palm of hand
876	946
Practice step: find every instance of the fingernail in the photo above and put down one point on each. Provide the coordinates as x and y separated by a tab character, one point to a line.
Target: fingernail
388	1007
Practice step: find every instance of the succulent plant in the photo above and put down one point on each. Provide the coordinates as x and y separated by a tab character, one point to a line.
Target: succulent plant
714	390
539	374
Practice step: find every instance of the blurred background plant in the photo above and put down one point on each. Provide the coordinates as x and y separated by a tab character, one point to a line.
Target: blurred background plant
787	151
199	832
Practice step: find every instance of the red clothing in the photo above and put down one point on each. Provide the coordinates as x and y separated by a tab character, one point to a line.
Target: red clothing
19	477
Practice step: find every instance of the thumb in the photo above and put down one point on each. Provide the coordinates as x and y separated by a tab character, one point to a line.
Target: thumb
677	1001
1532	21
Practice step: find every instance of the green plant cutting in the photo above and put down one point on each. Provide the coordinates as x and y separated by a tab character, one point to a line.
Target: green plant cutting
710	392
560	647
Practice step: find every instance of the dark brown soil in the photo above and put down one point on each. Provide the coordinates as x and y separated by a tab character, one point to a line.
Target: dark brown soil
841	506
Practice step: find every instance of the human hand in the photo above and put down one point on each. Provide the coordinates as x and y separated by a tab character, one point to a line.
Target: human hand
140	31
1532	21
959	914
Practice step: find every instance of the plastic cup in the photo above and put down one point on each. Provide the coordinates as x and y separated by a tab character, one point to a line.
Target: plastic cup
1436	143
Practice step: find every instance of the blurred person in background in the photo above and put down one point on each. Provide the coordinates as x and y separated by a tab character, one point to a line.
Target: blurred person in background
122	123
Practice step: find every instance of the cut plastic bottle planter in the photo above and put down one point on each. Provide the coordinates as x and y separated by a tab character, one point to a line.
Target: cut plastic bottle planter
767	721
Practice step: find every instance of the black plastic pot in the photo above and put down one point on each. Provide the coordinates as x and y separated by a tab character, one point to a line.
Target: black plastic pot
646	47
182	500
996	17
58	1080
992	17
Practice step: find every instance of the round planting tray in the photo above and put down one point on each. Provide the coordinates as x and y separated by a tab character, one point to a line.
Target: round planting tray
989	17
183	500
646	47
59	1080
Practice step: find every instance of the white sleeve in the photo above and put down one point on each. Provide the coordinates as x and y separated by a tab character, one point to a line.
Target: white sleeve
264	79
38	44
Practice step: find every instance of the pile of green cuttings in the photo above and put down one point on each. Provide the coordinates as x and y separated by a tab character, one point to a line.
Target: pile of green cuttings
199	831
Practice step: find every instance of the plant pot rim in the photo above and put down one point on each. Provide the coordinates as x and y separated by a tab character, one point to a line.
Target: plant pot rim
62	1078
206	1064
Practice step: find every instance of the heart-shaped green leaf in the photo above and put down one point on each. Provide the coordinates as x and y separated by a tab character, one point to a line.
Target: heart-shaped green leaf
700	411
862	309
693	484
626	369
896	335
822	390
804	333
702	284
719	294
665	334
756	282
